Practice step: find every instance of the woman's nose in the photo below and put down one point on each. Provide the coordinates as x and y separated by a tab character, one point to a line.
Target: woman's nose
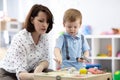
45	24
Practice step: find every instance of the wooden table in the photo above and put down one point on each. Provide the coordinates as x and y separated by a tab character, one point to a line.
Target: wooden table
66	76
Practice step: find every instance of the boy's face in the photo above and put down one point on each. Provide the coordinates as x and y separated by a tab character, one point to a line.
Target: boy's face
72	28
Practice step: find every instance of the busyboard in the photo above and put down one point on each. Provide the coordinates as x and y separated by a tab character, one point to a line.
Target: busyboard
64	75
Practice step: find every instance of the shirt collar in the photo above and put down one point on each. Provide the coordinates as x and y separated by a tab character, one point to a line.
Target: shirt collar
77	36
30	41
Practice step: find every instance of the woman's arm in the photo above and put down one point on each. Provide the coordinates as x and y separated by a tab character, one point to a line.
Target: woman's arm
30	76
26	76
43	65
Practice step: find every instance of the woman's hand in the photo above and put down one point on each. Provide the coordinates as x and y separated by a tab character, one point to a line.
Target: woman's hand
42	65
26	76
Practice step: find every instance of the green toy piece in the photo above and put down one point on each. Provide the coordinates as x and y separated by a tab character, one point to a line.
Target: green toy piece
117	75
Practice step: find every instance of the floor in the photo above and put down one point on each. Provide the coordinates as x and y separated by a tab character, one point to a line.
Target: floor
2	52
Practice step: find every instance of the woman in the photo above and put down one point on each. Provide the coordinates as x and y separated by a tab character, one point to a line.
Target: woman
29	50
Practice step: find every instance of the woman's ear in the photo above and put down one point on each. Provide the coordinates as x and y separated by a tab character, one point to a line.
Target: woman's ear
31	19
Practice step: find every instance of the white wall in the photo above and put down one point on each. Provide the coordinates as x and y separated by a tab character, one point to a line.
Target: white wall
97	13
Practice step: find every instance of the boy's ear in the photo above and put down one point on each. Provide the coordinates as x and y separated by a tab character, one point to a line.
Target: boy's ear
80	26
64	24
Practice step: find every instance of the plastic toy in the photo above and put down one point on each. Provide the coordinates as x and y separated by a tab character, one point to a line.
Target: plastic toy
87	30
113	31
118	54
83	71
116	30
117	75
109	48
95	70
109	52
89	65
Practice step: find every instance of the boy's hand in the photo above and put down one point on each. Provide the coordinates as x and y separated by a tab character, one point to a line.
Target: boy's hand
58	60
58	57
80	60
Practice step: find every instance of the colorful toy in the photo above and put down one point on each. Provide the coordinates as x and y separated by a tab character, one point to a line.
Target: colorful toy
113	31
109	48
95	70
109	52
118	54
89	65
87	30
117	75
102	55
116	30
83	71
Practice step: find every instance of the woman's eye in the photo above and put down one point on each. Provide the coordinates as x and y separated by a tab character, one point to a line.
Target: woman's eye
40	20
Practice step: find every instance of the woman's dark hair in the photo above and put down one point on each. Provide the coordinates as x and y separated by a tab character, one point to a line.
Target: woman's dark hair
33	13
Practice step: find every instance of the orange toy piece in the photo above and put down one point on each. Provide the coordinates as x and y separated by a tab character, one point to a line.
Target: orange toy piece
116	30
109	47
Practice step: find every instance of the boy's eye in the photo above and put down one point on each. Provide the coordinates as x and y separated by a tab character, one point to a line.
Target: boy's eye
69	27
75	27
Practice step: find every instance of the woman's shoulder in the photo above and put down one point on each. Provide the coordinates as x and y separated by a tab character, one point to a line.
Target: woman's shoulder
20	35
23	32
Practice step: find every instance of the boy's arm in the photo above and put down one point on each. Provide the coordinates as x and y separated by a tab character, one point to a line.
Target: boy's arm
30	76
58	57
86	54
84	57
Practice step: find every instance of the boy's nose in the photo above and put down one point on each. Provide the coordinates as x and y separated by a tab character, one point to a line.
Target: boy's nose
72	29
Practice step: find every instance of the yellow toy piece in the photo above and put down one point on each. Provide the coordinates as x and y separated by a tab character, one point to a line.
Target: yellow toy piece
83	71
102	55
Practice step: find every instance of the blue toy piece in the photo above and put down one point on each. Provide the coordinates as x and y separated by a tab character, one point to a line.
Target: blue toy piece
93	65
87	30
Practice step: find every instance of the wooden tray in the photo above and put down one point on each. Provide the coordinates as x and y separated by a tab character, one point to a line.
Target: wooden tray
64	75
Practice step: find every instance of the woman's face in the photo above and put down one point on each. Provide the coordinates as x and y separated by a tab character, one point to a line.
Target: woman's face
40	23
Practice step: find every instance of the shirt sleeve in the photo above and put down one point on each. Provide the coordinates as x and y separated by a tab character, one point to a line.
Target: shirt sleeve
19	52
85	45
59	42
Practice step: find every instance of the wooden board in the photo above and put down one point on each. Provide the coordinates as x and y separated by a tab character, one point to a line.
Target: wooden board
63	75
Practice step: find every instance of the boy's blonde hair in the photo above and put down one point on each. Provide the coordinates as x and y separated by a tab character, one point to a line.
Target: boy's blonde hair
72	15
